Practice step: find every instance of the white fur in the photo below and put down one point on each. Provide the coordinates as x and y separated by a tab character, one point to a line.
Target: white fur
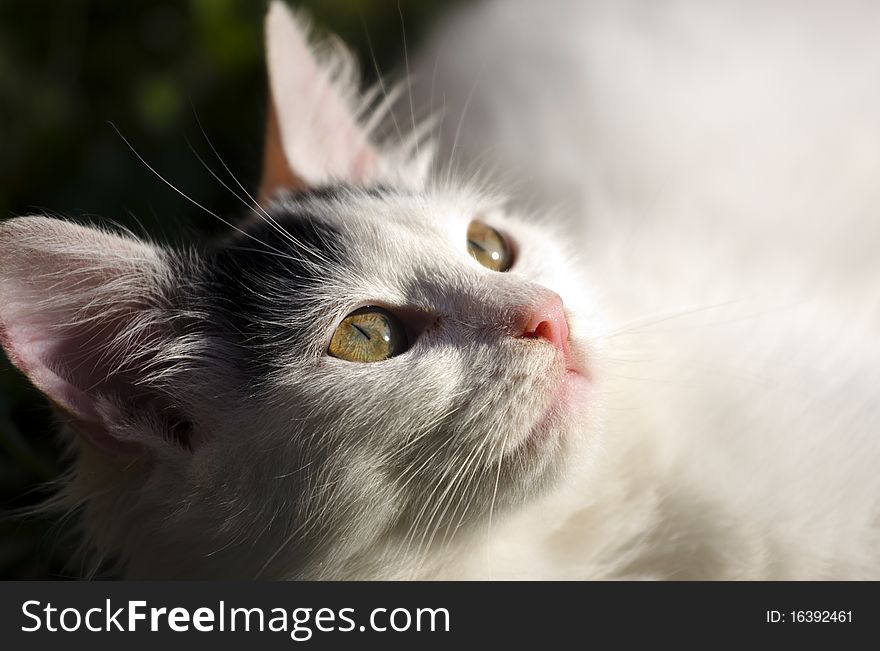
719	162
711	170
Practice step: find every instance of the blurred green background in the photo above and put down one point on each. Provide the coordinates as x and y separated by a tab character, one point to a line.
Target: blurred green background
68	69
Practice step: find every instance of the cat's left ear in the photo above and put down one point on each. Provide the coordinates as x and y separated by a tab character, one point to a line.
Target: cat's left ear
313	136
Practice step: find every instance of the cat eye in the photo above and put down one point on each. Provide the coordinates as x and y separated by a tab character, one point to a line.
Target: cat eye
489	247
369	334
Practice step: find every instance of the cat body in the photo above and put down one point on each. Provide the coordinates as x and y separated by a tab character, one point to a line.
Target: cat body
674	377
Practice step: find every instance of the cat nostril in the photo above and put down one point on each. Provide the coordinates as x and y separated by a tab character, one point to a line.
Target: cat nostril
548	322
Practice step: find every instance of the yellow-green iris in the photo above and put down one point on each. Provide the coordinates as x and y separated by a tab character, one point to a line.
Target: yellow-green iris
488	247
369	334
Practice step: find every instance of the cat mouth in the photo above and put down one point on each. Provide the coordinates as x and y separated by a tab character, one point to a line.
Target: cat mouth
555	418
562	402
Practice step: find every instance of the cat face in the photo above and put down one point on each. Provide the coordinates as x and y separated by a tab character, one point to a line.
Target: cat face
353	370
474	412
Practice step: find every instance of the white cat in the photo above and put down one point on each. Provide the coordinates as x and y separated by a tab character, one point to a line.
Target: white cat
389	372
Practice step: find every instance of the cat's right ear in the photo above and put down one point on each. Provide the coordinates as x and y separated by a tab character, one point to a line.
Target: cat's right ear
90	317
313	136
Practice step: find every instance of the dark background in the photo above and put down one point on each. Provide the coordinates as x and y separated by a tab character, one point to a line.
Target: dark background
149	67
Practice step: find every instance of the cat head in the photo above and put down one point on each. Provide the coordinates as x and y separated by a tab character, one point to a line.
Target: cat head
371	362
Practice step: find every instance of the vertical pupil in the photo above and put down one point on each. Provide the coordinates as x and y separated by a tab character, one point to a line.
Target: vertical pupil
488	246
362	331
369	334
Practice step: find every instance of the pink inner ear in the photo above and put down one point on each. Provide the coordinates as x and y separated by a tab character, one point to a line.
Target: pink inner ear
320	135
363	165
69	298
30	354
38	357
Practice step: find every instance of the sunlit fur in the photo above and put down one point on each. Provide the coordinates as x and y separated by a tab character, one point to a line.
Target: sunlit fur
717	163
712	171
322	467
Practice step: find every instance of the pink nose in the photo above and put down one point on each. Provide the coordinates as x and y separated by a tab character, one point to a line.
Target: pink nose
548	322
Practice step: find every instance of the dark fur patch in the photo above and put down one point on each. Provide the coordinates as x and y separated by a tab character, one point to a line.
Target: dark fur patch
260	277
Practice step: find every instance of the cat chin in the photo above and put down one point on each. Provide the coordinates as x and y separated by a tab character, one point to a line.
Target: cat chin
547	451
553	424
